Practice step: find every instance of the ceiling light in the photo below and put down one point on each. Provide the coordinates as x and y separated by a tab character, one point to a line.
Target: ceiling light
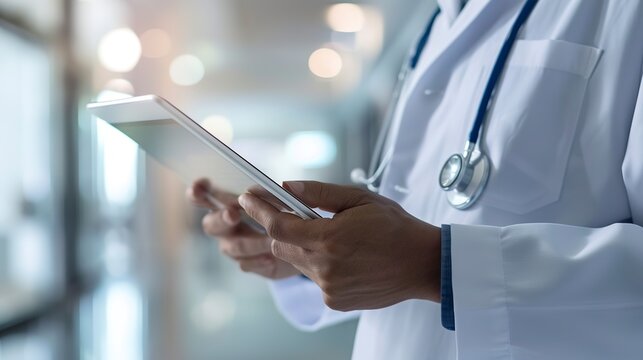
220	127
119	50
187	70
311	149
120	85
345	17
325	63
116	89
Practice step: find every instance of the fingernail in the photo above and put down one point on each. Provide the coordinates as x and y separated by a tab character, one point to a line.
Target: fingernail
244	200
295	187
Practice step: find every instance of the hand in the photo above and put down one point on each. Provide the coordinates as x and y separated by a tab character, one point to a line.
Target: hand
247	246
372	254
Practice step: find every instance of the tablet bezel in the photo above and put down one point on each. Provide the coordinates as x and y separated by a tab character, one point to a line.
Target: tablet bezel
108	108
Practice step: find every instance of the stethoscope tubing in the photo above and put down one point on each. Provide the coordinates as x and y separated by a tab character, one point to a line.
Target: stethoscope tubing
381	157
383	153
498	68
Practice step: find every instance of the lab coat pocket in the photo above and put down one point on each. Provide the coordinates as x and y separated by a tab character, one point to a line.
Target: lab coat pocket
533	120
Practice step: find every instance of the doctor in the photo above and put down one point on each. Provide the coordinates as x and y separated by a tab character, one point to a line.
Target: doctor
539	254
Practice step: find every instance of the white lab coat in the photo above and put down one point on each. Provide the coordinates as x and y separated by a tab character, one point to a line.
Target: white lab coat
544	266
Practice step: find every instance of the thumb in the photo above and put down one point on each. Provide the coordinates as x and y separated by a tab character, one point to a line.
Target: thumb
329	197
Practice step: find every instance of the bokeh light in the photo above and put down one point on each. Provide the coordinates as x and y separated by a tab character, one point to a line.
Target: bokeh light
120	85
116	89
220	127
156	43
325	63
311	149
345	17
187	70
110	95
119	50
216	310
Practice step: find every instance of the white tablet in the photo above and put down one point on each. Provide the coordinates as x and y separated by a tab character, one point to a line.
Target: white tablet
178	142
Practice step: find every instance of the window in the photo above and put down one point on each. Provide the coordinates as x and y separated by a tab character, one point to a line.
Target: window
30	268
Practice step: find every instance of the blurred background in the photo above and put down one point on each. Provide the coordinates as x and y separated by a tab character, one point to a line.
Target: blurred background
101	256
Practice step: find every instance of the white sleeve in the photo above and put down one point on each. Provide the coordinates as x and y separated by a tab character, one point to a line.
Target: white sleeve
301	302
546	291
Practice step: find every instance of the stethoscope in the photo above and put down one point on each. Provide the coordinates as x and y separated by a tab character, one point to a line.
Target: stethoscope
463	176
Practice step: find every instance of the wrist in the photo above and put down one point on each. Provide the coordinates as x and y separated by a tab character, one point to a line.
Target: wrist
428	266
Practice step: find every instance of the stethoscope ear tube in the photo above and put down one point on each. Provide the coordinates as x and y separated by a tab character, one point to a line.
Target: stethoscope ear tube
380	161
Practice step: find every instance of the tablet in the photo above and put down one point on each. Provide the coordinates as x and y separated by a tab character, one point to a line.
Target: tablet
181	144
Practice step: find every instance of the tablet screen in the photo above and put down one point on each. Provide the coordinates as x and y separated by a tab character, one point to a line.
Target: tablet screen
175	147
174	140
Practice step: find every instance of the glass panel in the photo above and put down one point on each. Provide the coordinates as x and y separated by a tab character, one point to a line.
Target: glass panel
40	15
111	322
43	340
29	273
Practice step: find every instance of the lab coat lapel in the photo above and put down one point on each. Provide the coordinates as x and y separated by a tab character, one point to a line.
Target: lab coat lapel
467	29
450	9
477	17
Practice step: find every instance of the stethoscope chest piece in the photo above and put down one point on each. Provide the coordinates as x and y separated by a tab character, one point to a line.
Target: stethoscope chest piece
464	178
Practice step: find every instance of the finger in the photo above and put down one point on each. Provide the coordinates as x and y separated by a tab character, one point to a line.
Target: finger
220	222
224	197
205	194
263	194
241	247
257	263
279	225
289	253
329	197
197	193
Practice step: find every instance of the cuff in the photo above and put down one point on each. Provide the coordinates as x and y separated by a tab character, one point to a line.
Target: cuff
446	286
479	293
301	302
